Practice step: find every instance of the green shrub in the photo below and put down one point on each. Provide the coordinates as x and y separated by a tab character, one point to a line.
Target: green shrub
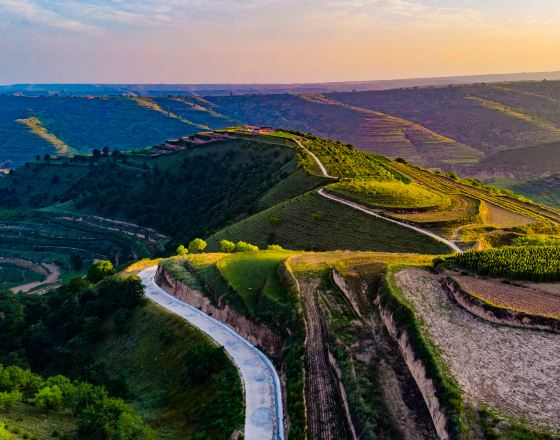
49	398
100	270
241	246
197	245
227	246
182	250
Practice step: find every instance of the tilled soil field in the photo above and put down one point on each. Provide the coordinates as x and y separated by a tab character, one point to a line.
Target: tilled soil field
531	300
516	371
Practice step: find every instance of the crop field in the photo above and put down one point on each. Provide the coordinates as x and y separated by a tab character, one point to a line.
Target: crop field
530	263
526	299
390	195
447	185
452	112
345	161
494	365
195	110
310	222
47	238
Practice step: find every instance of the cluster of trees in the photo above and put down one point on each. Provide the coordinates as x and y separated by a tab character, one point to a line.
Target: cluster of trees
98	415
531	263
189	196
195	246
199	245
59	329
231	247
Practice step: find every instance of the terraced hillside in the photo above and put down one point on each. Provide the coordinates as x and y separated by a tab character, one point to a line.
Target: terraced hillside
67	245
83	124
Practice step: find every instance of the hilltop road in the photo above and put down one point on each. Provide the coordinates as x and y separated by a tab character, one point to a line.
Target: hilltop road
263	397
371	212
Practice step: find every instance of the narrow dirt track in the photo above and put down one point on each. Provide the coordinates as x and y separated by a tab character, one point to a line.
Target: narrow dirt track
324	419
264	419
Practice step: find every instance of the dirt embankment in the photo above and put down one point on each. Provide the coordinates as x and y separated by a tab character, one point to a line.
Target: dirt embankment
478	304
418	371
257	334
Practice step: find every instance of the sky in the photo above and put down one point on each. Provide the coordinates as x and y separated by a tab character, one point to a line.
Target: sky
272	41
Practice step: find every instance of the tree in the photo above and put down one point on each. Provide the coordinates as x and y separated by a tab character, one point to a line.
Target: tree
105	151
182	250
4	433
47	157
112	419
197	245
49	398
96	152
227	246
100	270
38	157
241	246
274	247
8	400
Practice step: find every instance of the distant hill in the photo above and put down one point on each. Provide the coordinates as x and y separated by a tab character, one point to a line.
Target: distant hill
245	89
474	129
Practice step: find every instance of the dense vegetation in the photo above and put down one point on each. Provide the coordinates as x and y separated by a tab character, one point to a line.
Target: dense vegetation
105	334
97	416
531	263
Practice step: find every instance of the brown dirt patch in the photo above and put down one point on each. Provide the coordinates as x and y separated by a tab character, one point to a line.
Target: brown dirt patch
527	299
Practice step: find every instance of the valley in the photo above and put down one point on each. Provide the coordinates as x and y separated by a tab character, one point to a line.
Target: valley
321	272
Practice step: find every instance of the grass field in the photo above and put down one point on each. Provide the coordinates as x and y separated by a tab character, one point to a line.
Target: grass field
310	222
390	195
253	274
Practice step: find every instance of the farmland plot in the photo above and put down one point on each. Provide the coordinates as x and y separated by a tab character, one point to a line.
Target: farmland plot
514	371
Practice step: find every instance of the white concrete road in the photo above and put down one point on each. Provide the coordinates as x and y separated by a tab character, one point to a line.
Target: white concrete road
371	212
264	418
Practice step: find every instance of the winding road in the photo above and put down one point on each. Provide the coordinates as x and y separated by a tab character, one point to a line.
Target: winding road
371	212
264	419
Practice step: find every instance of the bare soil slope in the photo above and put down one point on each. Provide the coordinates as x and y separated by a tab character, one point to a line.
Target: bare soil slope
513	370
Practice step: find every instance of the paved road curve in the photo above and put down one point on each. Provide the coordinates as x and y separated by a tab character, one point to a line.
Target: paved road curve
263	396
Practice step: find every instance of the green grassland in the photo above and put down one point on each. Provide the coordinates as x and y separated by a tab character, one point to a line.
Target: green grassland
310	222
26	422
390	195
157	355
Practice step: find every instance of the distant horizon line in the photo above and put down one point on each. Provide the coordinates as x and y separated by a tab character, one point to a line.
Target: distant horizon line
295	83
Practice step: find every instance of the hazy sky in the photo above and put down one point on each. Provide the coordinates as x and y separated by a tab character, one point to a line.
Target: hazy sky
209	41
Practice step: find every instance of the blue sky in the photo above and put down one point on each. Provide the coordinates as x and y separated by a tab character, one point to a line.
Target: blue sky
272	40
